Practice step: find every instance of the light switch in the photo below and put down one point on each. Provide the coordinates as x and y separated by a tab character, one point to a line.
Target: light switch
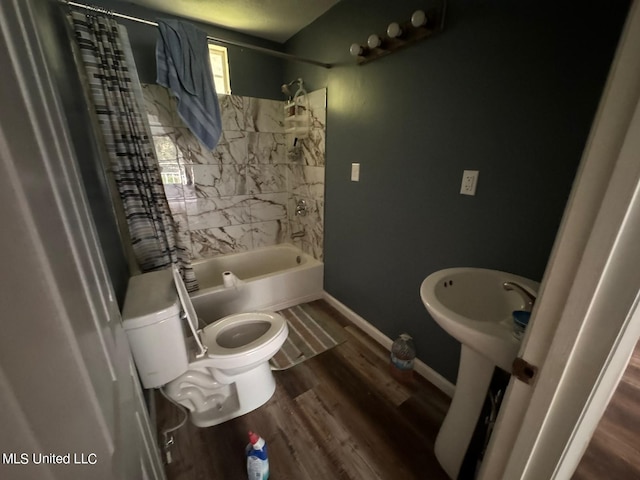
355	172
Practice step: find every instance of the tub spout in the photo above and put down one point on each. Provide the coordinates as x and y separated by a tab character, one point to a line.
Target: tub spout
528	297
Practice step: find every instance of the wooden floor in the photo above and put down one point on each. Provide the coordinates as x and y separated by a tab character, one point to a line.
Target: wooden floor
339	415
614	450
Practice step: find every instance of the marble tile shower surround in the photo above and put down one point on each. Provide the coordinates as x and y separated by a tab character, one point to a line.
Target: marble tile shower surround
243	194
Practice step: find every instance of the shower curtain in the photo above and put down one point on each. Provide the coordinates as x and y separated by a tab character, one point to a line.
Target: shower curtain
132	156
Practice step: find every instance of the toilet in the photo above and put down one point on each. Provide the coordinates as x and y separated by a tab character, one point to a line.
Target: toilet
218	373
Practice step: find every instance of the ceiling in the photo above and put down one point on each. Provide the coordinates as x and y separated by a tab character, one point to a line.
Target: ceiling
276	20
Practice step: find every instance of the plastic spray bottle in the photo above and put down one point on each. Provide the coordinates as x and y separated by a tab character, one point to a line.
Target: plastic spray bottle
257	460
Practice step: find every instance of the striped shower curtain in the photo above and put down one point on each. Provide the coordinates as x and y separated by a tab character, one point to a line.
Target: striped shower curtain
132	156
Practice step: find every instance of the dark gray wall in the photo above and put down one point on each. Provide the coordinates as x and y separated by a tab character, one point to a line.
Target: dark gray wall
509	88
252	74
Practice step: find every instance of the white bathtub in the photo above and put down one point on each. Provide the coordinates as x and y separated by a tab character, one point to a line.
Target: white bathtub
272	278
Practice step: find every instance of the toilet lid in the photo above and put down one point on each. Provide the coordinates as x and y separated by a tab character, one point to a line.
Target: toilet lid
187	307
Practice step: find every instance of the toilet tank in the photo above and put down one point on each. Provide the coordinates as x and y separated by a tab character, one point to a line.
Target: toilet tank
151	319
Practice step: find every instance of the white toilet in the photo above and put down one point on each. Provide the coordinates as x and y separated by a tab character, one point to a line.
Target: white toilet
222	374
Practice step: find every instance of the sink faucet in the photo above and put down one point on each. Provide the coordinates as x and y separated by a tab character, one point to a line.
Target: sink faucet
529	297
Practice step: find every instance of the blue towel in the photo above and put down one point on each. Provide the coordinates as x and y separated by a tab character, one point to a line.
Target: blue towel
182	56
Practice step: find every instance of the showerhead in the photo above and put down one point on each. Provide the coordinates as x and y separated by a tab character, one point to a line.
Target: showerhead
285	86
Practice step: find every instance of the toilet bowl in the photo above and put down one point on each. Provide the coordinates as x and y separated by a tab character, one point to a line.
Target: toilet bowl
227	378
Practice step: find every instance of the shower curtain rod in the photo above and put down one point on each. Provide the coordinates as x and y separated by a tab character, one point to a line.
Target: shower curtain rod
266	51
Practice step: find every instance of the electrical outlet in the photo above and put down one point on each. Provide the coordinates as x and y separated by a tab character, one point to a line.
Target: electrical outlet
355	172
469	182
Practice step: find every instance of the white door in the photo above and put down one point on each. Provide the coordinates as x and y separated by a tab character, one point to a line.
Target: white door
586	322
70	403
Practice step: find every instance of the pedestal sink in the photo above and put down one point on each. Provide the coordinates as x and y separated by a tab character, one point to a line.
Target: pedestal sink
474	307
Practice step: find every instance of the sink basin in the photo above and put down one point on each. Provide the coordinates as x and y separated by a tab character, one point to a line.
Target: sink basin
472	306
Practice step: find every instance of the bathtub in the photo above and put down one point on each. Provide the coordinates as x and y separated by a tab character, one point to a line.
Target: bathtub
271	278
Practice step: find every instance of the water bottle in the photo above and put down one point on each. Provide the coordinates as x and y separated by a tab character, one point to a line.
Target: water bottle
403	354
257	460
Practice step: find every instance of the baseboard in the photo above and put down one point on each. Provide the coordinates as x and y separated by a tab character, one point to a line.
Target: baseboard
292	302
420	367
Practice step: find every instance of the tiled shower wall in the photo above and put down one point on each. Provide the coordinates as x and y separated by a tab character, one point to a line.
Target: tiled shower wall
243	194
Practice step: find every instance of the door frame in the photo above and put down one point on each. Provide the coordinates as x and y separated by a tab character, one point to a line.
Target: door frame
586	322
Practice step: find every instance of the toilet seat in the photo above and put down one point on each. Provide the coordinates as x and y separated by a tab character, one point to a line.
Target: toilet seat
261	346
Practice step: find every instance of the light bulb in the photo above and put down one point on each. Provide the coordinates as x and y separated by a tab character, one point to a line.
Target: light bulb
374	41
394	30
418	19
356	50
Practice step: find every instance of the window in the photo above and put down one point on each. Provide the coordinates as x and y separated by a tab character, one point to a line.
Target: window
220	69
170	174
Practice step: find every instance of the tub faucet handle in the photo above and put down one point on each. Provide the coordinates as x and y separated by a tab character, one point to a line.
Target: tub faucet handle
301	208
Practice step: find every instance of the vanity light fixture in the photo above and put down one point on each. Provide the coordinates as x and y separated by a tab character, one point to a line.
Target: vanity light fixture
357	50
422	24
418	19
374	41
394	30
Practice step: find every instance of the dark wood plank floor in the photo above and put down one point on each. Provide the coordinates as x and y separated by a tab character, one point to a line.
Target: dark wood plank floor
339	415
614	450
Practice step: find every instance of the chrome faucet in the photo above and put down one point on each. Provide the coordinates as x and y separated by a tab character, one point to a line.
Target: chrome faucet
528	297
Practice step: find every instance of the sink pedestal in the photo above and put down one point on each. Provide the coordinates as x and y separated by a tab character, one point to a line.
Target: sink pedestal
475	306
472	384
